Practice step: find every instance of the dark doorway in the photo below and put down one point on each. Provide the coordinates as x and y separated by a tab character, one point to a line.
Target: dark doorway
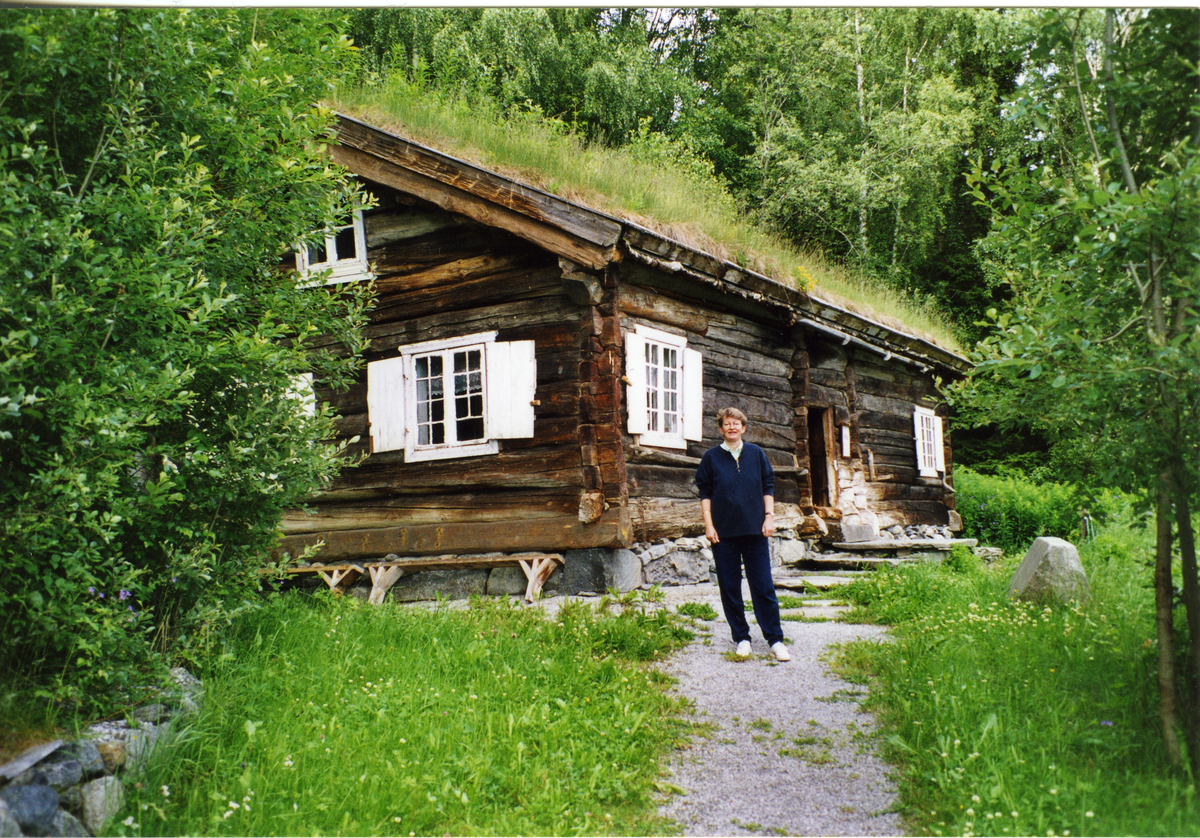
818	456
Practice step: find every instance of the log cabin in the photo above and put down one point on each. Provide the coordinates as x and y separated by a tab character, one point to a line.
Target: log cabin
544	377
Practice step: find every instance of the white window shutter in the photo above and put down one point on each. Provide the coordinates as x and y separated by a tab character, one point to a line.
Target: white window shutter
939	451
693	395
511	374
635	388
926	431
385	404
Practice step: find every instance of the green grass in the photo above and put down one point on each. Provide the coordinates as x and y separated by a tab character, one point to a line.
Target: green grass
699	610
1017	719
333	717
638	183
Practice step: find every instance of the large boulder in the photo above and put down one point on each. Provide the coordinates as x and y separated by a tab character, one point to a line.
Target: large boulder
596	569
677	567
102	798
1051	570
32	807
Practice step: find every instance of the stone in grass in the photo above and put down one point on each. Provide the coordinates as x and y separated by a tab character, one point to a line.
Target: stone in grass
32	807
66	825
9	828
1051	570
596	569
428	585
102	798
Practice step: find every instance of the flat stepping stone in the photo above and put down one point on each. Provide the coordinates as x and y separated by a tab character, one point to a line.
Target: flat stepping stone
812	581
906	544
849	561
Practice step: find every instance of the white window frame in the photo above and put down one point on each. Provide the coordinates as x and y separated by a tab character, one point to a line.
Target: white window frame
509	379
927	432
647	399
353	269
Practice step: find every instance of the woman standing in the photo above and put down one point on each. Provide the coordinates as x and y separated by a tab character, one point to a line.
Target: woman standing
737	499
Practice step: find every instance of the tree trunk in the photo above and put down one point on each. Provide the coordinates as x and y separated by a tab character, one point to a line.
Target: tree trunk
1168	702
1191	600
862	118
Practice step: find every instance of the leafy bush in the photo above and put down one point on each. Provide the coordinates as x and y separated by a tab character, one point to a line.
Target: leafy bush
960	559
1011	511
155	165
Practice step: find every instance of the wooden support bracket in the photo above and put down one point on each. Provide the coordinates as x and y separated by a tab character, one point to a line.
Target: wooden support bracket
537	571
382	579
340	578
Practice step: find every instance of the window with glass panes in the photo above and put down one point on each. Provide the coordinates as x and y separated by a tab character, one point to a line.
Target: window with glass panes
662	388
341	251
449	397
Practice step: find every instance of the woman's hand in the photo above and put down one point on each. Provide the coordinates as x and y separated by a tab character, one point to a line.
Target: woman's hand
710	532
769	525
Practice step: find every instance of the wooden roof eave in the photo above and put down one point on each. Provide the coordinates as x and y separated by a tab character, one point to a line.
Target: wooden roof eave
888	341
562	227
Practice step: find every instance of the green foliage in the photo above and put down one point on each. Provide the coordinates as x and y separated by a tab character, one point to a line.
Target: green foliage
960	559
1011	511
699	610
1097	245
595	68
1016	719
155	165
328	716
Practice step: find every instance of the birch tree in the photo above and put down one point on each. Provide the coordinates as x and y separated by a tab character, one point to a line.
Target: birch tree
1096	234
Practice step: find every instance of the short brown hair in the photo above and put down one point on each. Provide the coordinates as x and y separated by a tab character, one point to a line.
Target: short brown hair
731	413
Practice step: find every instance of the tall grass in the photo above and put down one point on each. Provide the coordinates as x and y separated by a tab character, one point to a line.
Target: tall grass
653	182
330	717
1010	510
1008	718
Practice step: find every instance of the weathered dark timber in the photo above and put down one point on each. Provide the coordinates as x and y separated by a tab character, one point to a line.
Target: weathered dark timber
612	530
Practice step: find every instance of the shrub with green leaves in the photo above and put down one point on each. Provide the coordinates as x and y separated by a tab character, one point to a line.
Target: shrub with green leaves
154	167
1011	511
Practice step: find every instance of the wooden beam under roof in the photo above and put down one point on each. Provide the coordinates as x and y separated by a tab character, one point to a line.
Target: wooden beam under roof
562	227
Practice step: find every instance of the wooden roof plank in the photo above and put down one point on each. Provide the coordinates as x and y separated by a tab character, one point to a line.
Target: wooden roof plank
451	199
583	223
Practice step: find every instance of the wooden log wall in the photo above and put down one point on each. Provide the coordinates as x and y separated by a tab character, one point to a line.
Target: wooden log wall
440	276
887	393
748	365
875	398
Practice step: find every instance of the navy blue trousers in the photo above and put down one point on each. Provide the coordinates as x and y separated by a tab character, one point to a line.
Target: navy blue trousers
754	552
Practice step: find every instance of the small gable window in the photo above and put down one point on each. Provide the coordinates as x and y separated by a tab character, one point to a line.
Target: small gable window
927	428
343	251
665	388
452	398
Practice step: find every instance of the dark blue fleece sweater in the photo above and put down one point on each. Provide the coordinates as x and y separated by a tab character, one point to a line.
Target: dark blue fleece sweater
736	488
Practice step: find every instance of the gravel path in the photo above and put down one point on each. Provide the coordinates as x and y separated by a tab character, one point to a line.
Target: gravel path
790	752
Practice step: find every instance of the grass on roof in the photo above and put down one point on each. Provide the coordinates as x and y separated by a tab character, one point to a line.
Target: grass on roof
641	183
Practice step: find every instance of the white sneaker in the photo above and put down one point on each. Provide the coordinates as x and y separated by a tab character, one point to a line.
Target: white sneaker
743	649
781	652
